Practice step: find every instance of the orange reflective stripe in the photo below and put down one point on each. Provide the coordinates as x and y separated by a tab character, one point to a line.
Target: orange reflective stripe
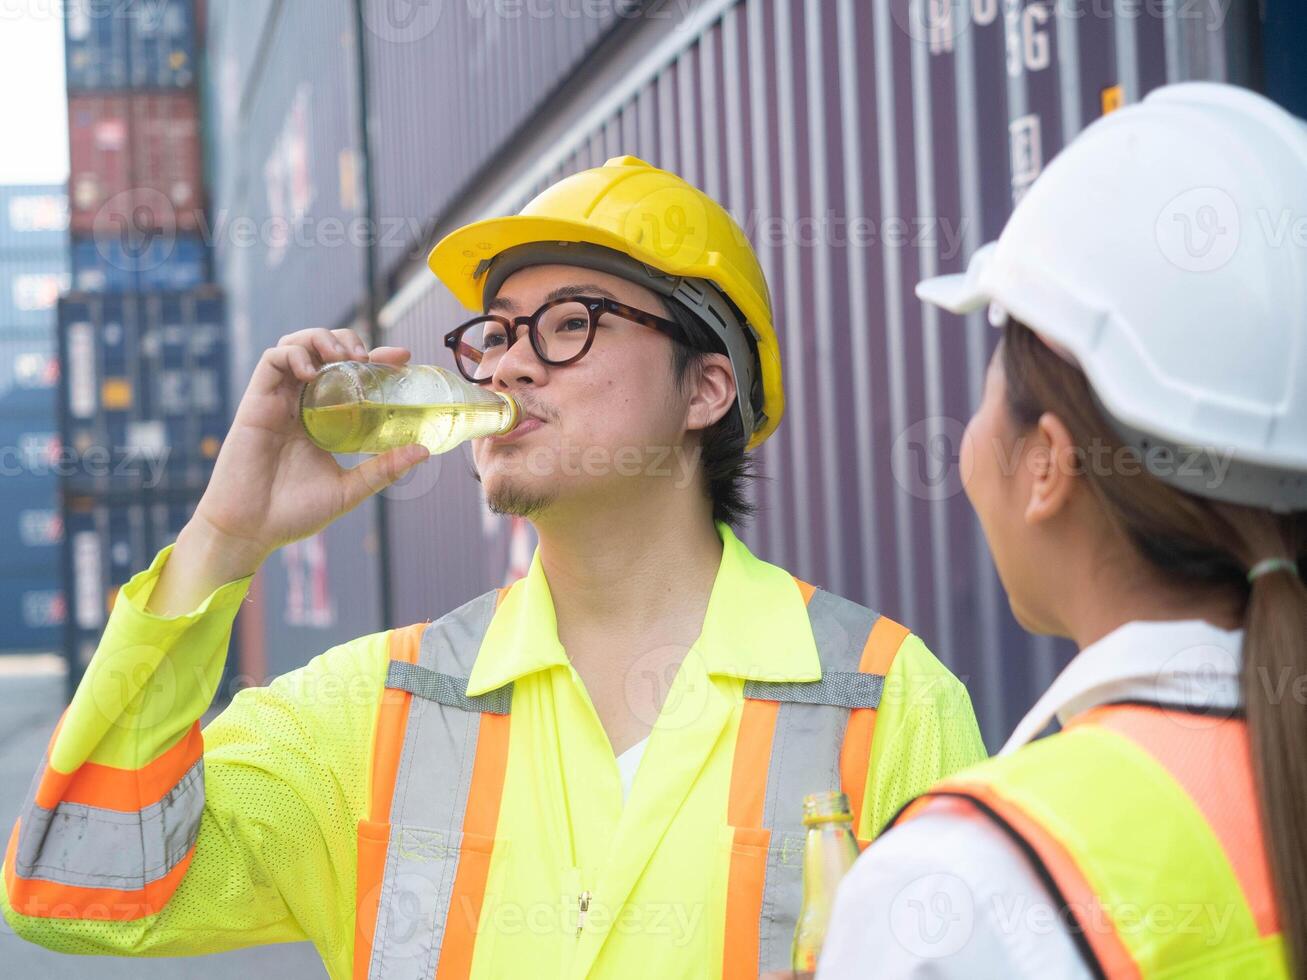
744	811
392	718
855	754
1081	899
126	790
45	899
1221	793
479	822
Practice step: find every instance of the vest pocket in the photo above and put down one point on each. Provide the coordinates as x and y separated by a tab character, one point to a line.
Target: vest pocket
419	895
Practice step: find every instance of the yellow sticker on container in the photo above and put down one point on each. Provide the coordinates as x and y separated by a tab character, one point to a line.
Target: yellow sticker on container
116	393
1113	98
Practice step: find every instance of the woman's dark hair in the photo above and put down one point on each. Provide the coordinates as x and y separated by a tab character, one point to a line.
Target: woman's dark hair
727	466
1209	546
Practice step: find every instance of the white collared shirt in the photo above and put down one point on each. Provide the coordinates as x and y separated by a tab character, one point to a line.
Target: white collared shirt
945	896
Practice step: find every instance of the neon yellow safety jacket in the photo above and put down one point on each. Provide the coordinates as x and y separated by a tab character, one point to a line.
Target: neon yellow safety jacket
442	800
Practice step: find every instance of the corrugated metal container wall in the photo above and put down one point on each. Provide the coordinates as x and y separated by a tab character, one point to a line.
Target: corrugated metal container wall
301	162
29	373
162	44
448	84
314	594
33	218
235	33
110	264
96	36
99	151
167	167
144	389
862	148
30	284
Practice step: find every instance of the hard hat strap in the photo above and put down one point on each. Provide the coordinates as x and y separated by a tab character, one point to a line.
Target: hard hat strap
699	296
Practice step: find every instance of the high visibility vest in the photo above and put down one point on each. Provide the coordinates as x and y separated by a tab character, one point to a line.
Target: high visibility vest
1143	823
420	892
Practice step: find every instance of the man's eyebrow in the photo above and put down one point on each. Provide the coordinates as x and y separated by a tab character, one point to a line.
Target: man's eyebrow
505	305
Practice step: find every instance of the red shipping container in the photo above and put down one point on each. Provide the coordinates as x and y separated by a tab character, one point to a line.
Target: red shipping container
166	162
99	141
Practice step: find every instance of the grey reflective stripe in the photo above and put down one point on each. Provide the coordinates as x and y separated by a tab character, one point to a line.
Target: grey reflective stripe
448	690
836	687
93	847
431	787
805	758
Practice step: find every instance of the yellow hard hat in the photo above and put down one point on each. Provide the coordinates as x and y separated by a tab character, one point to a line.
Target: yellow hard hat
664	224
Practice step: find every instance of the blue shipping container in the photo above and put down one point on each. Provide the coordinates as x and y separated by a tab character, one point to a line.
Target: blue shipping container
30	284
96	36
31	529
32	610
111	265
33	219
29	374
162	44
120	44
106	542
144	380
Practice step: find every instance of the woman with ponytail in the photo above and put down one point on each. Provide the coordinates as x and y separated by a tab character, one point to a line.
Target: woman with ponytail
1139	467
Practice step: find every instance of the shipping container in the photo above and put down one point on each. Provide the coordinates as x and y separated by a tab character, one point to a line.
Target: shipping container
300	212
29	373
142	389
151	263
33	219
314	594
30	284
107	540
99	159
861	147
162	44
31	529
235	33
32	610
135	163
167	176
96	36
449	84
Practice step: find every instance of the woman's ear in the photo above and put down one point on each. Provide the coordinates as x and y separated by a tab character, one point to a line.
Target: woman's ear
712	393
1054	469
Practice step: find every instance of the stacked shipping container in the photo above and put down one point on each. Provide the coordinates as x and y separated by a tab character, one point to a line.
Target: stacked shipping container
142	338
861	145
33	271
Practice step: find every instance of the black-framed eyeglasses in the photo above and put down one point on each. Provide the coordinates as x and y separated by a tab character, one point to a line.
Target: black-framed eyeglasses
561	331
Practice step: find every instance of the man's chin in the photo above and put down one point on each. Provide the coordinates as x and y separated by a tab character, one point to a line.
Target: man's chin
513	499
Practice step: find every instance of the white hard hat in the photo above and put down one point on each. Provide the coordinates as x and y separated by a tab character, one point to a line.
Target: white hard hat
1165	250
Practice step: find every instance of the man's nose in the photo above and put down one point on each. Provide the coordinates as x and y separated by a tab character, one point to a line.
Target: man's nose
519	365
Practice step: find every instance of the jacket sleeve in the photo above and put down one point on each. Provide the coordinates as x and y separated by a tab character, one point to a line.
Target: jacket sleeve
144	836
925	730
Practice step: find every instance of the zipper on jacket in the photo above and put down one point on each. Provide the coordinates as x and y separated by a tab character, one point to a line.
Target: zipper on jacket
583	906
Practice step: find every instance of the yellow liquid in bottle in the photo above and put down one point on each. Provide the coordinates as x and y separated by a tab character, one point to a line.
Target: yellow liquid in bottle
370	427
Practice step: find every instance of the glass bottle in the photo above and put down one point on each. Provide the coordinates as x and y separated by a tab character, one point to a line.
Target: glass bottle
828	852
357	407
